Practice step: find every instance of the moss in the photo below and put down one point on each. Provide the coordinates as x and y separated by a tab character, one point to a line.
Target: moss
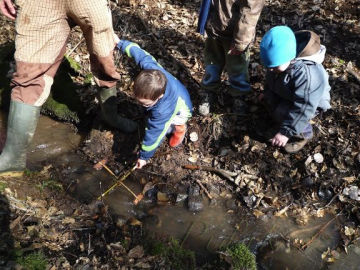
2	186
33	261
50	184
175	255
241	257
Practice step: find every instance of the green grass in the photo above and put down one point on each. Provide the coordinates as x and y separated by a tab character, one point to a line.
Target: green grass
33	261
2	186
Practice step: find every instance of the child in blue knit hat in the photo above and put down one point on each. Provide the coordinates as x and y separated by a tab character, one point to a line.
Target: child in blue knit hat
296	86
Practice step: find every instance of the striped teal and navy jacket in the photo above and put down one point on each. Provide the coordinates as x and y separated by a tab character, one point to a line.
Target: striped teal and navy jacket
176	100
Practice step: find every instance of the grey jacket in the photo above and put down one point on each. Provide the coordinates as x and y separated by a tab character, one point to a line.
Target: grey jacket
235	20
299	91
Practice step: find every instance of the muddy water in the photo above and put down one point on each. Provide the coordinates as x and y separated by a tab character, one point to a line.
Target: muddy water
204	232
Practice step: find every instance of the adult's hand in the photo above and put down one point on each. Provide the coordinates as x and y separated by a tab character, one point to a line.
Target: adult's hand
234	51
279	140
7	8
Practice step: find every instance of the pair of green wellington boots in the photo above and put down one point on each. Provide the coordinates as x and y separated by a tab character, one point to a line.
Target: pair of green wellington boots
22	122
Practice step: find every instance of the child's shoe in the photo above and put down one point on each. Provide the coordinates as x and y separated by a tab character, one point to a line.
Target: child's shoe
178	135
295	146
297	142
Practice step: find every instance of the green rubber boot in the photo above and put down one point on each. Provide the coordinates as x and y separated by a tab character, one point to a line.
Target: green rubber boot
107	98
21	127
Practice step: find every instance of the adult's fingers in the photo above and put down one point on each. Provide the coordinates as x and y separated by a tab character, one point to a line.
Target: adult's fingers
8	9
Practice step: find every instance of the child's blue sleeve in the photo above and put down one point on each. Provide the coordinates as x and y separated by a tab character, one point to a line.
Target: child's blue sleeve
141	57
155	132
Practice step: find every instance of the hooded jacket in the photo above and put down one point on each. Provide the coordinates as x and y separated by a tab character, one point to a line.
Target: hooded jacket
230	19
176	100
303	87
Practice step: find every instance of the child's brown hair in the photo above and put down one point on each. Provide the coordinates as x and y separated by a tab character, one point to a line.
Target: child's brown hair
150	84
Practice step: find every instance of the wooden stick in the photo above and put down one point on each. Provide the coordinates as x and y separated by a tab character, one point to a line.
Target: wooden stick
205	190
77	45
226	174
303	247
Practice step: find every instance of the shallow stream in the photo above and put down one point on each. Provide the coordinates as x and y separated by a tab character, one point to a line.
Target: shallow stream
217	225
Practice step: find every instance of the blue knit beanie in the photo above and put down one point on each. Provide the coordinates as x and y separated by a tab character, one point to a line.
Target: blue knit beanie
278	46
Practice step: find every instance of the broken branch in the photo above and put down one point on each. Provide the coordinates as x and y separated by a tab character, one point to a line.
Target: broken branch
224	173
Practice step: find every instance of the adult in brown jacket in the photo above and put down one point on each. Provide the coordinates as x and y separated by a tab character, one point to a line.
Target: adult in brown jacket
42	30
230	26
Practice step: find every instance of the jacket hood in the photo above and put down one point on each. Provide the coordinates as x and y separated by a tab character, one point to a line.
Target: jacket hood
308	46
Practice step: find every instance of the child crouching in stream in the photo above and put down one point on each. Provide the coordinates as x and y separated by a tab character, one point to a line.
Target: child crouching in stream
165	97
296	87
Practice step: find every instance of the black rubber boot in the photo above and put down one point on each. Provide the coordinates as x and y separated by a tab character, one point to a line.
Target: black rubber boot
107	98
21	127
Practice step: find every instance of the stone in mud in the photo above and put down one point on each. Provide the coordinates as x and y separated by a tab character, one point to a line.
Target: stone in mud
195	203
325	194
181	197
308	181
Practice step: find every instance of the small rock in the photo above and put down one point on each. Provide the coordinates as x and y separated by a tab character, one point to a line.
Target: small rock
195	203
136	252
325	194
308	181
180	197
318	157
194	137
162	197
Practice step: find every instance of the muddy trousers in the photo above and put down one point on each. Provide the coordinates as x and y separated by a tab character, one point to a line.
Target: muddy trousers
42	31
217	59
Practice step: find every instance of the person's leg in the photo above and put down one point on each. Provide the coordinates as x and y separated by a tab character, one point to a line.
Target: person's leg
214	60
237	69
94	18
178	127
42	31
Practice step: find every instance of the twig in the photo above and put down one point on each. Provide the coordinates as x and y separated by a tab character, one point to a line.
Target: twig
227	174
303	247
77	45
205	190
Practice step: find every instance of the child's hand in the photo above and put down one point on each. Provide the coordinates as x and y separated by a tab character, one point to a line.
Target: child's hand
140	163
234	51
116	39
279	140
